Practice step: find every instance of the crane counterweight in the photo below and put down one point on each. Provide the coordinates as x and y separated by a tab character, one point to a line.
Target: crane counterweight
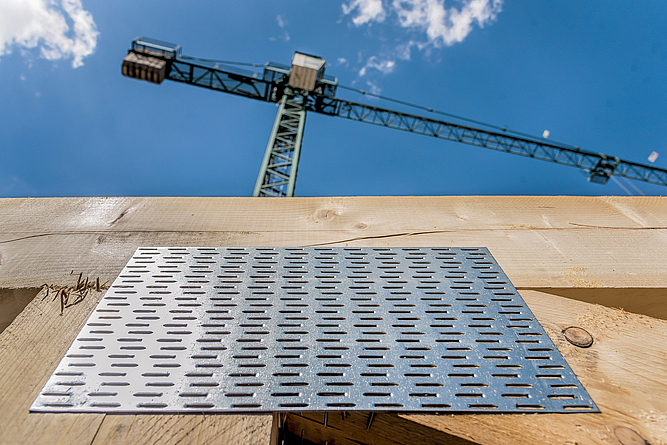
144	67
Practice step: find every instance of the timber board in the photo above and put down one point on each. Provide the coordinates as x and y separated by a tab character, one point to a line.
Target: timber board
563	245
32	346
539	241
623	371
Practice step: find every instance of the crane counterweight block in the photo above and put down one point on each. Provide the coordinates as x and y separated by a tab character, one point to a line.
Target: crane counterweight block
145	67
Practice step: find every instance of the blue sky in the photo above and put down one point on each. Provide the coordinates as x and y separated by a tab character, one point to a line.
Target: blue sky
592	73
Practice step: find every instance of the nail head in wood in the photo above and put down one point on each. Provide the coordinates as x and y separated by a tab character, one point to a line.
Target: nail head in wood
578	336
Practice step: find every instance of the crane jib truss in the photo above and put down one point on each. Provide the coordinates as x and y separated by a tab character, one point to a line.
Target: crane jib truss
278	173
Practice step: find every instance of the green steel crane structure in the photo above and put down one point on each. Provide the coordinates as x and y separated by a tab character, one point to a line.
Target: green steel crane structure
303	87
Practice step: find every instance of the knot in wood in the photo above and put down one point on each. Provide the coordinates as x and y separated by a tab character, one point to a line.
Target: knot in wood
325	214
578	336
628	436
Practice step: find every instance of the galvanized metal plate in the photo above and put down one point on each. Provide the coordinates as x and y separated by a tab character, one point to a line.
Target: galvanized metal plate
285	329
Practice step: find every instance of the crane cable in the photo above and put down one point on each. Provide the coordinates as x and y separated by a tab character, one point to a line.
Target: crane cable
444	113
401	102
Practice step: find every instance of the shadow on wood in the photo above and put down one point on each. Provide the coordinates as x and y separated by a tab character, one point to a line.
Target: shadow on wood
12	302
649	301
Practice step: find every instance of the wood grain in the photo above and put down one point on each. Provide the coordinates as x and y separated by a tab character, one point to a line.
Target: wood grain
624	372
651	301
12	302
542	242
30	349
184	429
605	250
386	429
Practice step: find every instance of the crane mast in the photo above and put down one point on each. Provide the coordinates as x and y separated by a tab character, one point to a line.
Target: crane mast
303	87
277	176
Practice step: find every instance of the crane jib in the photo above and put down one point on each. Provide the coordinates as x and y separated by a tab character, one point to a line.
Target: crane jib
155	61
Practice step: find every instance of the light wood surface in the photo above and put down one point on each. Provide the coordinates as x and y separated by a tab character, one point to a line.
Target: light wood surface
31	348
540	242
623	371
604	250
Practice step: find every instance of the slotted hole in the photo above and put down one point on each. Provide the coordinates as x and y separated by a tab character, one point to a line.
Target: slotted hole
577	407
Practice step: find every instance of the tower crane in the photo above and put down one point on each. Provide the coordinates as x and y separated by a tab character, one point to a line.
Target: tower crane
303	87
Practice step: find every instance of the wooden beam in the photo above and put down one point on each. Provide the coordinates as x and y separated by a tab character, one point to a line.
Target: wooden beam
539	241
385	429
12	302
624	371
31	348
563	245
185	429
650	301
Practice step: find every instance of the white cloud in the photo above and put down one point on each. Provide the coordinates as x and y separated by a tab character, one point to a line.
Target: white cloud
440	24
366	11
46	24
373	88
431	24
385	66
404	50
281	21
445	26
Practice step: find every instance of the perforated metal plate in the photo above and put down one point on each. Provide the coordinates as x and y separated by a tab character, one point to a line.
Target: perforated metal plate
279	329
